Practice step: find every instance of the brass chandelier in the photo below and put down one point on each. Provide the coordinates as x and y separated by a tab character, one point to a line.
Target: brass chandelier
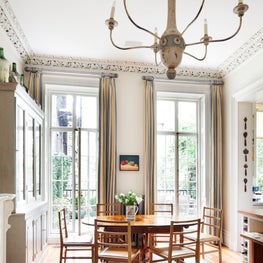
171	43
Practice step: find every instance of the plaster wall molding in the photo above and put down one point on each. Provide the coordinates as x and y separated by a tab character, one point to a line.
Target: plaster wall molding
81	65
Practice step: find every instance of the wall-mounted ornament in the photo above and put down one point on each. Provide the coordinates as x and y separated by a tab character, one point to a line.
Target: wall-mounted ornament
245	151
245	138
245	184
245	166
245	120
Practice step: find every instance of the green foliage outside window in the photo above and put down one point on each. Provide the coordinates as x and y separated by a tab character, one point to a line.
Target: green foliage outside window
61	170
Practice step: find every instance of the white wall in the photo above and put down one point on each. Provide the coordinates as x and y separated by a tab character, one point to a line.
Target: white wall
130	128
244	84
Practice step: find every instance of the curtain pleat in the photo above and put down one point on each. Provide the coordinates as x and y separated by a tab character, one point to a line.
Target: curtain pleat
150	142
216	177
34	86
107	141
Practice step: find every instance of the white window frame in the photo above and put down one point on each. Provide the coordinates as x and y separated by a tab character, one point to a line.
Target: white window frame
54	82
197	91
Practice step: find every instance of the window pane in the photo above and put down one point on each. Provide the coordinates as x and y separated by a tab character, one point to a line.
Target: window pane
86	114
187	173
165	115
165	168
62	108
61	165
187	116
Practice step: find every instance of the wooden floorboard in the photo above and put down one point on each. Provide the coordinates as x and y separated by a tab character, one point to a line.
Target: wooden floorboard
229	256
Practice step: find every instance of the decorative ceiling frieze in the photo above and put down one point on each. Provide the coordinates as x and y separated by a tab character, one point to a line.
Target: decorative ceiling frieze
18	39
246	51
13	30
79	65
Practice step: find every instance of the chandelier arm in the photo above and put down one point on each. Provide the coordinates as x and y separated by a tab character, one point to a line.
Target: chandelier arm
206	42
200	59
132	21
197	15
126	48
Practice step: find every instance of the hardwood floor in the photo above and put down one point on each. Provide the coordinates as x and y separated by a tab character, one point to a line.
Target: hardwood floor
229	256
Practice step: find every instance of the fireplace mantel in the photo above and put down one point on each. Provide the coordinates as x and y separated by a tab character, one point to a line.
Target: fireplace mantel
6	208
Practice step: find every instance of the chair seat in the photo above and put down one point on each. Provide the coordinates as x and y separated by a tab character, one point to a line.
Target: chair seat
180	251
205	238
76	240
121	253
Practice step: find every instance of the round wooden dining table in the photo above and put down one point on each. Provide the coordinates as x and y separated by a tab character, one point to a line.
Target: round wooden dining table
144	224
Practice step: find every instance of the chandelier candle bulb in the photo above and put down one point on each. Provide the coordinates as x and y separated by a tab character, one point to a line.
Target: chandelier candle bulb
112	10
205	27
156	33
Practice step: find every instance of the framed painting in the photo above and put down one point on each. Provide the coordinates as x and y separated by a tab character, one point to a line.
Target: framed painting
129	162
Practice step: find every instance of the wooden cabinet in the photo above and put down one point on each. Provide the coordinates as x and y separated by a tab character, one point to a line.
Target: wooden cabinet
21	170
252	234
27	237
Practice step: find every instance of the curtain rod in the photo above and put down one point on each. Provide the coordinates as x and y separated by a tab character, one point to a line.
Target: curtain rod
178	80
70	72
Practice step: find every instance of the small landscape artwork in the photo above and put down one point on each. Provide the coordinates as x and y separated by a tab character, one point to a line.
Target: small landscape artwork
129	162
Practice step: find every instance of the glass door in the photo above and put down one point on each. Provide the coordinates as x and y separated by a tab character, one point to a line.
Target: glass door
74	157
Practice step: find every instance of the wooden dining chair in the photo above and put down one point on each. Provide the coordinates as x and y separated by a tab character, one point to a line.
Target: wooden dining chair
179	248
211	232
159	209
113	242
73	243
108	209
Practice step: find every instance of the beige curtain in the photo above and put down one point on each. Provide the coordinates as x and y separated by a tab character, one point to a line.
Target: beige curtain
34	86
150	141
216	189
107	141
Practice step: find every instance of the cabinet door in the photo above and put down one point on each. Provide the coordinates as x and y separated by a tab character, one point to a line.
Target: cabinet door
30	157
20	155
29	242
37	170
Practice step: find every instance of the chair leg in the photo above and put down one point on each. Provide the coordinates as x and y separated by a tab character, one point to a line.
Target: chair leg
220	252
60	254
65	255
203	250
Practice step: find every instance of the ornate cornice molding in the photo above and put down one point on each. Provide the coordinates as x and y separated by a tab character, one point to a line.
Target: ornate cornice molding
13	30
17	37
81	66
246	51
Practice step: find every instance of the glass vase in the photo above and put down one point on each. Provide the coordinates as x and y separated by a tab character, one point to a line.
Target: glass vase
131	211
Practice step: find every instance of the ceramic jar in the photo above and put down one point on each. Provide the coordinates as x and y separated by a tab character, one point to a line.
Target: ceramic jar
4	67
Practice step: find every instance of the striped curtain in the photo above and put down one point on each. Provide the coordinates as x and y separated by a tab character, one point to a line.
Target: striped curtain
107	141
150	142
216	189
34	86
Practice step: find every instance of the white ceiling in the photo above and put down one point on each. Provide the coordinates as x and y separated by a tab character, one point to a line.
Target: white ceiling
76	29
